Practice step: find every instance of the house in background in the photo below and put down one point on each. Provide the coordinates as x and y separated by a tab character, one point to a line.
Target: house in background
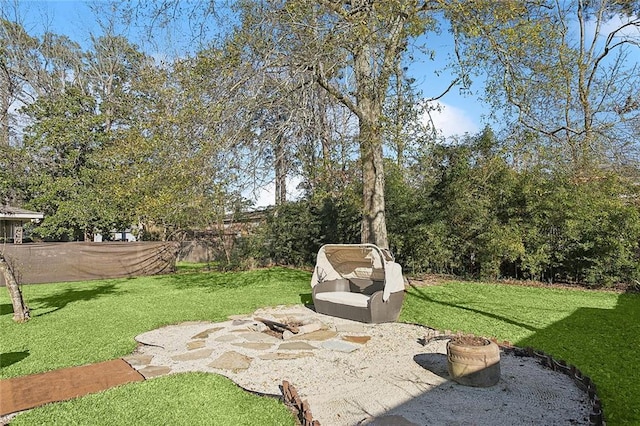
115	235
12	220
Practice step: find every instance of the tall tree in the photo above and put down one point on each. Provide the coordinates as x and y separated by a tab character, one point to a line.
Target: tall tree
175	165
64	144
15	49
285	113
568	70
31	67
111	65
350	49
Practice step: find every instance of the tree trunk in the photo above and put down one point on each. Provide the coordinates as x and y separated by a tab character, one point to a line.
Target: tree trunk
20	309
374	225
281	171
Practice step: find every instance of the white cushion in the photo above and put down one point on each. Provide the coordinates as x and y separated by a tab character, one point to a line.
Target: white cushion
344	298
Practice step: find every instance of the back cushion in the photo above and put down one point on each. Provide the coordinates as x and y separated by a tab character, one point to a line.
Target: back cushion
365	286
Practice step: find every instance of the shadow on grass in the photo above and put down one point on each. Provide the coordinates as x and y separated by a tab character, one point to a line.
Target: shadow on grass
604	344
234	280
9	358
6	308
59	301
416	292
306	299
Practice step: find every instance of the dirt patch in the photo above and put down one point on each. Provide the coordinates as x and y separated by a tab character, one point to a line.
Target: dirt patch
23	393
469	340
426	280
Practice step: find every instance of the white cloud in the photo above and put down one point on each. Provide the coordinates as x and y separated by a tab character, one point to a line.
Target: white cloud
450	121
616	22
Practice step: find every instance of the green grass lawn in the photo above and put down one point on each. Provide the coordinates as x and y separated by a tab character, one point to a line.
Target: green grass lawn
80	323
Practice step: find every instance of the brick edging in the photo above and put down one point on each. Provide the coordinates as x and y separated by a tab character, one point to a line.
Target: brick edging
300	408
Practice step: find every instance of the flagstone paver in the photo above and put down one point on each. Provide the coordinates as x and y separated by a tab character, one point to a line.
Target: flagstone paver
254	336
338	345
138	359
296	346
154	371
285	355
317	335
233	361
357	339
207	333
193	355
196	344
226	338
254	345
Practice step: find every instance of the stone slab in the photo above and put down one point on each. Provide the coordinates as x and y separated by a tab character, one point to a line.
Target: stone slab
206	333
316	335
275	356
226	338
361	340
154	371
258	346
195	344
296	346
339	346
232	361
139	359
257	326
303	330
193	355
258	337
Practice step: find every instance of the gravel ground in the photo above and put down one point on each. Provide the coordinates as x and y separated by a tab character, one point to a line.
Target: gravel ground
354	374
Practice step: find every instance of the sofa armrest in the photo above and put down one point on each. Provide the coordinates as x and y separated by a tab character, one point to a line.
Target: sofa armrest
388	311
375	299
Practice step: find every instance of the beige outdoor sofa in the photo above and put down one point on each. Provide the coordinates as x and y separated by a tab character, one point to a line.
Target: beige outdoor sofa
360	282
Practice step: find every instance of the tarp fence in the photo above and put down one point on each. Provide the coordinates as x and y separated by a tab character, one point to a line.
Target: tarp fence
35	263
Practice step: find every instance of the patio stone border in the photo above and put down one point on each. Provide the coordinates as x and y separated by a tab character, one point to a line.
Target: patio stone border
304	415
582	381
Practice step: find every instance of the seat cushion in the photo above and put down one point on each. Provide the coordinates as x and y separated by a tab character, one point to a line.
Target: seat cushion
344	298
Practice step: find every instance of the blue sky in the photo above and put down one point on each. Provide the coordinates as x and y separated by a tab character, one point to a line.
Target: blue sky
461	113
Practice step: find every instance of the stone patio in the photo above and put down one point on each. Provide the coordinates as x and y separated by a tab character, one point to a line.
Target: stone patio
353	373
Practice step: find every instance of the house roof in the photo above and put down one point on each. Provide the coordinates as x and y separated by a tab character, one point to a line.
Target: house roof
8	212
